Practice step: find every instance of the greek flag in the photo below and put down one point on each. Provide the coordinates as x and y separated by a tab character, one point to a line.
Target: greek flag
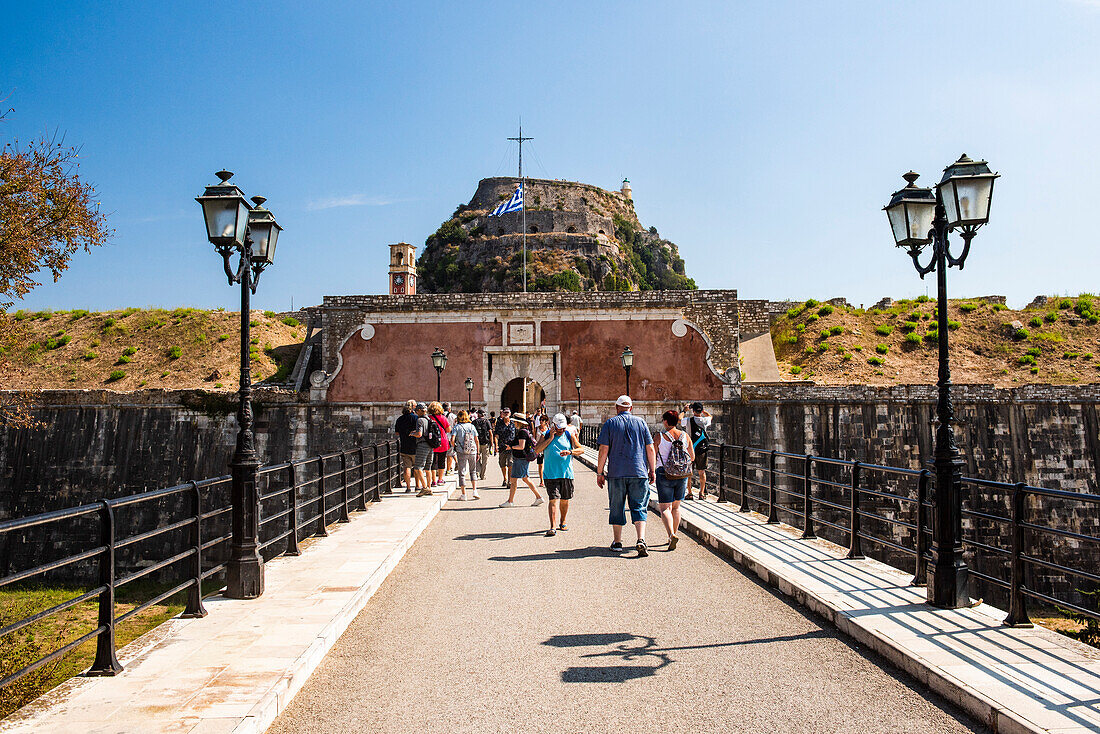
512	205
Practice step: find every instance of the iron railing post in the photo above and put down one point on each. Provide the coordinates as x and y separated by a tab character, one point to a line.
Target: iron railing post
773	517
322	531
721	472
362	480
194	608
376	493
344	487
921	570
1017	610
744	493
855	550
105	661
808	499
292	539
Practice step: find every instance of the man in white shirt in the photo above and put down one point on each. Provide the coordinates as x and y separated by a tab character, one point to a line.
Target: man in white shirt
575	421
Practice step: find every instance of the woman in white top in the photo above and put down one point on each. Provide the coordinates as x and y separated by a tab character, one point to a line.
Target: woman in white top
675	460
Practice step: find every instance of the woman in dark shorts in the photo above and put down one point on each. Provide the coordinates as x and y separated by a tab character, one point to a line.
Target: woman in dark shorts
544	429
670	491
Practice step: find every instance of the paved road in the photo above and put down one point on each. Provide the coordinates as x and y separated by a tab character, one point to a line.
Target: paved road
487	626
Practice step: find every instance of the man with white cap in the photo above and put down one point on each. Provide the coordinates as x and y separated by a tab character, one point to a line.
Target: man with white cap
558	446
627	455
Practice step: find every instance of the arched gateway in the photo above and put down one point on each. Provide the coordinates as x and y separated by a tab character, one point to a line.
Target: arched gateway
522	394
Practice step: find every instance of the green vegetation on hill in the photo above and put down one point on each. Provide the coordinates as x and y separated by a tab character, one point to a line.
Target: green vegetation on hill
988	342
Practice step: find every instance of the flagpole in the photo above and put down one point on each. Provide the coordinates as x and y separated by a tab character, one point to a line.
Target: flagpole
523	200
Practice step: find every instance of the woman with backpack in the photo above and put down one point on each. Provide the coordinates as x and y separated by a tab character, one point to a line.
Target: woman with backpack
675	460
523	453
439	459
464	440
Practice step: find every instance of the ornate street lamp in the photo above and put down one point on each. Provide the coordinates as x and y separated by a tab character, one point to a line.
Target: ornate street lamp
577	382
232	226
917	219
469	394
628	361
439	361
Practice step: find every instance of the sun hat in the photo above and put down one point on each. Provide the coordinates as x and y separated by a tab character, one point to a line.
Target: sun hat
560	421
519	418
624	401
421	406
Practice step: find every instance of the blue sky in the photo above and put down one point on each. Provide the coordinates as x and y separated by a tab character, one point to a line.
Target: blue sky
762	137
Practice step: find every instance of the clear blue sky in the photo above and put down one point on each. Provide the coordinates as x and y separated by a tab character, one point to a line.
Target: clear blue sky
762	137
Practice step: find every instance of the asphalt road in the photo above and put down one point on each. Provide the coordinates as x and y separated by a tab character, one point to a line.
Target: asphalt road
488	626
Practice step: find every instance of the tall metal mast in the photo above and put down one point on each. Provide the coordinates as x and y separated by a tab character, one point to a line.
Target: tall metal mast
520	140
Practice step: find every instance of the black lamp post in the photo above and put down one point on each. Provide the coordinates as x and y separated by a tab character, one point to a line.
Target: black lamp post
469	395
439	361
577	382
232	226
628	361
919	218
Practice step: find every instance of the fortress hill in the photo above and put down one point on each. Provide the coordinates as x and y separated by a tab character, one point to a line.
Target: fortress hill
598	282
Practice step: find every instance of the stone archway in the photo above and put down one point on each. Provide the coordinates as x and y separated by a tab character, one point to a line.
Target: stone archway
513	398
505	365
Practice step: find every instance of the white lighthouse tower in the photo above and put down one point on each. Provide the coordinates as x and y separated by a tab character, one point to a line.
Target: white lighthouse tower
626	192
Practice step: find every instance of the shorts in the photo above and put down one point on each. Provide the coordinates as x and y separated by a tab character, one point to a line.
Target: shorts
424	457
632	491
538	459
700	459
408	461
559	489
670	490
504	458
519	468
439	460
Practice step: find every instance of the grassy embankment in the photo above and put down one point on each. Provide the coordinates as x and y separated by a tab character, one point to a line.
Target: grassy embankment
132	349
1055	344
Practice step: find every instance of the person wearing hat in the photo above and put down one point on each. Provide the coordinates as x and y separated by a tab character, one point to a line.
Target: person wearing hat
504	434
523	453
558	448
697	425
627	464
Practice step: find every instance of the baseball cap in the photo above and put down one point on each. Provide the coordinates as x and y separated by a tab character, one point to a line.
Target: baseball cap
506	410
696	405
624	401
421	406
560	421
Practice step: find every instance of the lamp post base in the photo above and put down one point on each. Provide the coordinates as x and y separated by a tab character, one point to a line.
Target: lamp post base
947	585
244	578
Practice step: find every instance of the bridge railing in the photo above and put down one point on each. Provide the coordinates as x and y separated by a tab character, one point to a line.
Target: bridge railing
1025	541
111	541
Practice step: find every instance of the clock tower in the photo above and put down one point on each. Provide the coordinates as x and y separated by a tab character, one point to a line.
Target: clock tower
402	269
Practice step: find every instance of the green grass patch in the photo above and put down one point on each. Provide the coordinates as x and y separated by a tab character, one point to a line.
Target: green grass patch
913	338
223	337
1048	336
269	314
882	348
876	361
884	330
969	307
836	330
291	321
1020	334
174	353
115	376
1027	359
825	310
796	370
953	325
1050	317
123	360
1035	322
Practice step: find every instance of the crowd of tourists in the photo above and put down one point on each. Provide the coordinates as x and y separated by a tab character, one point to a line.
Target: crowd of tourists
631	461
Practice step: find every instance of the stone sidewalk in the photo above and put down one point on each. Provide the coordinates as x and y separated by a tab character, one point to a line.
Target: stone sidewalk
237	668
1011	679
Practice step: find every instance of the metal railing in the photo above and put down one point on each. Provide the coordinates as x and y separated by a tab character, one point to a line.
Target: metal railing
189	541
854	498
890	507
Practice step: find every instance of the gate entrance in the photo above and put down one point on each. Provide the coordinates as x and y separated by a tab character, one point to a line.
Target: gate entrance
515	399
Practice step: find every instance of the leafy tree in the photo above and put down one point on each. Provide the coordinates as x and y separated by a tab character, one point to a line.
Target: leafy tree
46	213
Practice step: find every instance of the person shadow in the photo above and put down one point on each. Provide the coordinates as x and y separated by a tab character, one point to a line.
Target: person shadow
562	554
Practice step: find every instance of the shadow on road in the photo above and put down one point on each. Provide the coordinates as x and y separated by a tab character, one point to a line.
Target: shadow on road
497	536
565	554
626	647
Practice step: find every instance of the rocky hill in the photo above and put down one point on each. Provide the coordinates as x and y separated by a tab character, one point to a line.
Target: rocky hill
579	237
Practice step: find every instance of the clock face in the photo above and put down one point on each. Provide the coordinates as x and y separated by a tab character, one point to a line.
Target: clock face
399	280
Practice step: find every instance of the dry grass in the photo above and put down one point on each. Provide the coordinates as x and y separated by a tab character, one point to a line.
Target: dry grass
127	350
985	347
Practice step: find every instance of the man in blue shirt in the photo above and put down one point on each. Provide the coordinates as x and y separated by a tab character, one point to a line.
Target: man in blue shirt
626	451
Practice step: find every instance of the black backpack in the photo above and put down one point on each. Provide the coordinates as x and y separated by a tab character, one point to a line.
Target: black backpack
700	441
483	429
434	437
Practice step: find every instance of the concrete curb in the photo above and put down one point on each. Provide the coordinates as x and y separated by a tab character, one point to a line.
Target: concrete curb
275	701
